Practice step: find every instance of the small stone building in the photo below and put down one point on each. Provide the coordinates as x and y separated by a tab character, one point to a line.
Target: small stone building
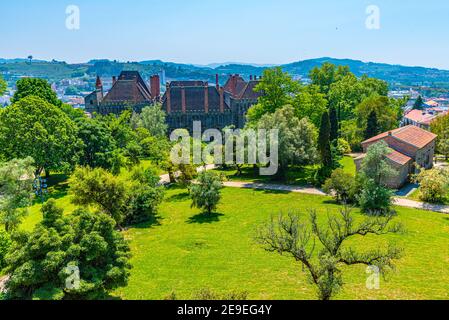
409	145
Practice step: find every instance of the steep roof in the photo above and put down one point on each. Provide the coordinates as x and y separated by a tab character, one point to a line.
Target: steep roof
235	85
412	135
195	98
129	87
248	92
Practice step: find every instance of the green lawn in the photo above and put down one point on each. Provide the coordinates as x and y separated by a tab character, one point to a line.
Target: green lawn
184	252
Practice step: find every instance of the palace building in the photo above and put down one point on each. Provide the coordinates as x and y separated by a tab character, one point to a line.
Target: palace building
183	101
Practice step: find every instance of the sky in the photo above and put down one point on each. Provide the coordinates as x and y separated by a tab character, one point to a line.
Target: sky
412	32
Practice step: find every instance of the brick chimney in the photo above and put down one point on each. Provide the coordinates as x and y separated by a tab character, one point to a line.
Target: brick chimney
168	95
250	78
114	80
217	82
155	86
221	99
183	99
99	84
206	97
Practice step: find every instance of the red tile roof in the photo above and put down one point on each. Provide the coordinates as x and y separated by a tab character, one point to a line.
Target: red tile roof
410	134
420	116
399	158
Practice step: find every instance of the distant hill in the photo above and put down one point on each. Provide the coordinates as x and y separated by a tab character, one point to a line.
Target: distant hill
54	71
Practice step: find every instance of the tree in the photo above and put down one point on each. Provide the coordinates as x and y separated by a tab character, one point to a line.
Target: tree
310	103
132	201
333	118
44	264
30	58
98	144
278	88
419	104
153	119
375	197
388	112
34	128
440	126
434	185
324	145
297	139
100	188
292	236
326	75
16	191
342	186
5	244
3	85
206	193
35	87
372	127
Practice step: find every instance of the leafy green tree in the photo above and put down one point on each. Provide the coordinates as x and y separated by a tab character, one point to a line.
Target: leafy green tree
278	88
133	152
16	191
372	127
375	197
310	103
291	235
3	85
326	75
206	193
120	128
419	103
5	244
334	130
100	188
297	138
433	185
34	128
440	126
143	197
387	112
98	144
153	119
342	186
35	87
43	263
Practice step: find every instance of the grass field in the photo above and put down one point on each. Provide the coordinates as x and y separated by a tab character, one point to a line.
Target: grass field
183	251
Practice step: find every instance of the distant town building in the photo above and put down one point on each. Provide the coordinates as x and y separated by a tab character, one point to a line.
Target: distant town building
422	118
410	145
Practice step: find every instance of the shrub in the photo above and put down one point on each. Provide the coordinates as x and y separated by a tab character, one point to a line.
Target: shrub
206	193
434	185
341	185
343	146
5	243
375	199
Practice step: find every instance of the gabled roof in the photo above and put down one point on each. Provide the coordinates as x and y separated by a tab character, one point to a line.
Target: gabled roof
235	85
412	135
129	87
248	92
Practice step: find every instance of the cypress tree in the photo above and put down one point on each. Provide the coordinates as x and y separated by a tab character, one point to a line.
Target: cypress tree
334	124
372	128
419	103
324	141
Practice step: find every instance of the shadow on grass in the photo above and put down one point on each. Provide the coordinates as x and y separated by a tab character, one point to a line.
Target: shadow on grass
154	221
203	218
180	197
267	191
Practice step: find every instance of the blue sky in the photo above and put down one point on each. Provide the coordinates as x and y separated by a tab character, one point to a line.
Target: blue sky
412	32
